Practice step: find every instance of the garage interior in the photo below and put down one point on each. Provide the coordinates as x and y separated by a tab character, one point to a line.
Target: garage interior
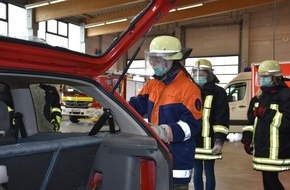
254	30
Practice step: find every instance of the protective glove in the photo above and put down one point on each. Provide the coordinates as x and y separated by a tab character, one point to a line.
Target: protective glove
218	146
258	112
248	148
164	132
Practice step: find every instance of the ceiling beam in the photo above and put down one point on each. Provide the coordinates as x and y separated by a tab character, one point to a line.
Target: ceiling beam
213	8
208	9
107	29
77	7
114	16
131	13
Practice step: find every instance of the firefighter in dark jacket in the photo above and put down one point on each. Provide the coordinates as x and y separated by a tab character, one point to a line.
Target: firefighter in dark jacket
267	136
215	124
7	122
52	108
6	97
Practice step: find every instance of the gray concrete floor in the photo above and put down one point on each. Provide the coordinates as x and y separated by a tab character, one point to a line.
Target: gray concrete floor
233	172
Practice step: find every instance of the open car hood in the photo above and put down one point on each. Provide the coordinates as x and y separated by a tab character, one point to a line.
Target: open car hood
33	56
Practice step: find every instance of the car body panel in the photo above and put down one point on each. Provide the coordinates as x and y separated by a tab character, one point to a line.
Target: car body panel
59	60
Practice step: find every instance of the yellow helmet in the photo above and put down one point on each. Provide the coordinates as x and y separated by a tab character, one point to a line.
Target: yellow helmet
202	71
203	64
167	47
269	67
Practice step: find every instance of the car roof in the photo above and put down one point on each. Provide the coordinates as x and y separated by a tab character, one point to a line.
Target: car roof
33	56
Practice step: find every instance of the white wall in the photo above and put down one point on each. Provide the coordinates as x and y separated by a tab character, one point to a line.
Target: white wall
261	34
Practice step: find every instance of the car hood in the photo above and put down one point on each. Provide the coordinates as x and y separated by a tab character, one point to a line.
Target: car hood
28	55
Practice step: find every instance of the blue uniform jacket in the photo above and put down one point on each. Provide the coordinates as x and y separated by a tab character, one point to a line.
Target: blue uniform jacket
177	103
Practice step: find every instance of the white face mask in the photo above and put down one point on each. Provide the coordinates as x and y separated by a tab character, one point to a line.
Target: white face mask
265	81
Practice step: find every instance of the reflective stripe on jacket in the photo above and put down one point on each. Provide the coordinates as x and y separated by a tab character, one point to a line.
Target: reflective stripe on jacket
181	110
272	163
269	115
215	121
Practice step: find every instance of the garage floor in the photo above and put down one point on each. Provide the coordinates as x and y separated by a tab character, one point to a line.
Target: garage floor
234	171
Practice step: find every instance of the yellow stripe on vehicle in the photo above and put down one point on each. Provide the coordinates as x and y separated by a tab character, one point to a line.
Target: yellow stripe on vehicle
84	99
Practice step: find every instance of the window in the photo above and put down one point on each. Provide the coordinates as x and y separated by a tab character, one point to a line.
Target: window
17	21
139	67
3	19
3	11
77	109
58	33
236	92
13	21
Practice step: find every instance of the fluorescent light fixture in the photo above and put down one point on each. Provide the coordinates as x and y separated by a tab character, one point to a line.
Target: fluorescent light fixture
56	1
94	25
104	23
116	21
209	1
38	4
172	10
190	6
42	3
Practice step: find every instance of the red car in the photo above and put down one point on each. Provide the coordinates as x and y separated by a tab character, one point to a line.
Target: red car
119	151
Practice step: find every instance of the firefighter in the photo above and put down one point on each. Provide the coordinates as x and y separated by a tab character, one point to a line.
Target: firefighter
52	109
215	124
8	133
172	103
268	133
5	96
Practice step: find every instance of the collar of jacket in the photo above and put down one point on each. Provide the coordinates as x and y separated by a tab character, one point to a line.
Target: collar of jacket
273	89
168	77
209	85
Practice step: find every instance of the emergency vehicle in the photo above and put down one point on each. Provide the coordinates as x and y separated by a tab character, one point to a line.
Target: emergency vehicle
77	105
241	89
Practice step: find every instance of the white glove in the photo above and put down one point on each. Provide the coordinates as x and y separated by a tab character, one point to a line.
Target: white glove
164	132
218	146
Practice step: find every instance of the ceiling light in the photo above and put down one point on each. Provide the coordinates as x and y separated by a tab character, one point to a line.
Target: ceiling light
190	6
116	21
56	1
38	4
94	25
209	1
42	3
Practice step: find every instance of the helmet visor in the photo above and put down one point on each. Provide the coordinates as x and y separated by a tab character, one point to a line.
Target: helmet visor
198	72
168	55
270	73
153	61
263	80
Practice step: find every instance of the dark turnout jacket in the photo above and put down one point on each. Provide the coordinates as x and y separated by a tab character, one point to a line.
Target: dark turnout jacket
269	129
215	120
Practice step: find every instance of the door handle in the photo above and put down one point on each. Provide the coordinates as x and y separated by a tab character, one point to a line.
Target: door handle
242	106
